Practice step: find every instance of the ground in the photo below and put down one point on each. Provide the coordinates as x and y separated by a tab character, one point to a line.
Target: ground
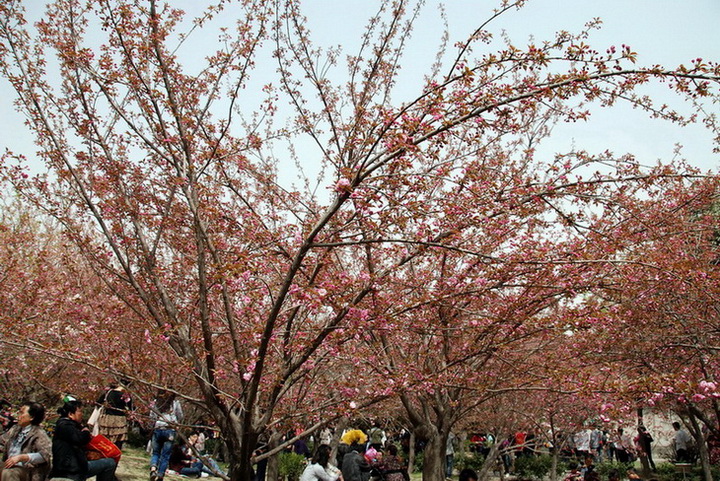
134	465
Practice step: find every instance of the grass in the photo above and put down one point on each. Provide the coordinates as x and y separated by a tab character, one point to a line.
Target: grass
134	465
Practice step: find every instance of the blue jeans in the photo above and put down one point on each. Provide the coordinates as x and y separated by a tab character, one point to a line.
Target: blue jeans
212	465
193	470
449	459
162	442
104	469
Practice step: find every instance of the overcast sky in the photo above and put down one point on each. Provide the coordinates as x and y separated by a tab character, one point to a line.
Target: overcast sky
668	32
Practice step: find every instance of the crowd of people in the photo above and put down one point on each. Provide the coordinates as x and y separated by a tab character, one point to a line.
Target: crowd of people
584	448
616	445
29	454
363	455
360	456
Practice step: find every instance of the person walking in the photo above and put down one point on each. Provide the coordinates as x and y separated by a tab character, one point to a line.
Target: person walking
167	412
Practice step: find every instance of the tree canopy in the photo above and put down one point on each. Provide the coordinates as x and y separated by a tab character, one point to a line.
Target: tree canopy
435	260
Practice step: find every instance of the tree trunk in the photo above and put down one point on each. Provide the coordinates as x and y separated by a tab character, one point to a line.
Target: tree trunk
411	452
490	462
554	465
272	471
241	446
701	447
434	458
334	443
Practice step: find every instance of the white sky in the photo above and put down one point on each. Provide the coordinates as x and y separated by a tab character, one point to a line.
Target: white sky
668	32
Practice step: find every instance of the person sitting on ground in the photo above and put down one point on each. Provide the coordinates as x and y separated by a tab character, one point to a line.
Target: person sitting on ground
319	468
183	462
26	448
591	474
632	474
199	443
69	459
209	465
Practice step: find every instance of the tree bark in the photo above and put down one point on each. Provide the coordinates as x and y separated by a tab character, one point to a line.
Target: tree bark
411	452
490	461
273	466
434	458
701	446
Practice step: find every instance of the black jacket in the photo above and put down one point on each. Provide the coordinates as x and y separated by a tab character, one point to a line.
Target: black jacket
69	459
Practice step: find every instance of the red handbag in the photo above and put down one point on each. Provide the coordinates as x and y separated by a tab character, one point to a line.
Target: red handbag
101	447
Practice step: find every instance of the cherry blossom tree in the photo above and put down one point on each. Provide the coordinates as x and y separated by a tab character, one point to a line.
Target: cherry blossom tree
659	347
439	227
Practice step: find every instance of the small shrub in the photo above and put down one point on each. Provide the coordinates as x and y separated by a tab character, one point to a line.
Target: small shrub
472	461
212	446
606	466
291	466
533	467
666	471
419	462
715	471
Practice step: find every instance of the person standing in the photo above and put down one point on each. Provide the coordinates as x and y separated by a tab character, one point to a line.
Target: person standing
681	443
596	444
623	446
450	454
582	445
113	422
644	443
167	412
376	436
68	454
7	420
26	447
